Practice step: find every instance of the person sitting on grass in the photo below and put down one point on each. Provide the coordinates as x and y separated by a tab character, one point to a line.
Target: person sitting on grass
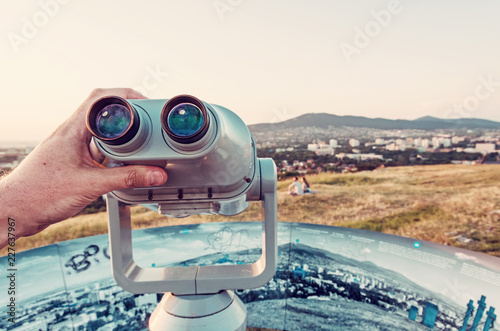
295	188
305	185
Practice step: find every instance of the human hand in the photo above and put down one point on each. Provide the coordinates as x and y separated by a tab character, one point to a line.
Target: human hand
59	177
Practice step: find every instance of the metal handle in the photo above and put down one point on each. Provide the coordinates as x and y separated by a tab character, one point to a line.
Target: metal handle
200	279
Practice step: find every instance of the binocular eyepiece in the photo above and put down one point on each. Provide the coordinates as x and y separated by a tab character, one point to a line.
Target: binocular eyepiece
114	121
185	119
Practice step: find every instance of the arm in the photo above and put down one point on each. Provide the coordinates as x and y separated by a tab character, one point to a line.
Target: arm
59	178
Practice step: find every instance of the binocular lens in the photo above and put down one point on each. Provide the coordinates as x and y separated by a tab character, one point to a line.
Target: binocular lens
185	120
113	120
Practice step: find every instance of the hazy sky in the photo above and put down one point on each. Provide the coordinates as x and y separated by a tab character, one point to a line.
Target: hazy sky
265	60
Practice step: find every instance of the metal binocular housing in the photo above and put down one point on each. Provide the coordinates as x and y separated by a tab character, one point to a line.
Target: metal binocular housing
212	166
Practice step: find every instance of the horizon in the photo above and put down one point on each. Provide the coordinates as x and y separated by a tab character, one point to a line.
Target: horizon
265	61
385	118
34	142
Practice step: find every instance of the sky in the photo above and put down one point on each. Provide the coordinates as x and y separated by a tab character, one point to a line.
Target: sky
267	61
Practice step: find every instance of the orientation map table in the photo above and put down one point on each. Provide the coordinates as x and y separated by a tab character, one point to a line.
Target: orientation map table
328	278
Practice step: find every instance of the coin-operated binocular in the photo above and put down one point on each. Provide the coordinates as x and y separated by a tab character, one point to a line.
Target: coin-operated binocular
210	157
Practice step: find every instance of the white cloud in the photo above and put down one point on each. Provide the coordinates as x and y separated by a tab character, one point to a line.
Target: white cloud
462	256
366	250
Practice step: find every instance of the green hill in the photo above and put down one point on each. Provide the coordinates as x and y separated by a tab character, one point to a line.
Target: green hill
323	120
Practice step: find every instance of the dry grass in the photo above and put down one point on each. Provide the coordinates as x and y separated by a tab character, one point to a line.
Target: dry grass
448	204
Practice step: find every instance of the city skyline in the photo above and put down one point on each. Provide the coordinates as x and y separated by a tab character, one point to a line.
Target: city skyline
267	62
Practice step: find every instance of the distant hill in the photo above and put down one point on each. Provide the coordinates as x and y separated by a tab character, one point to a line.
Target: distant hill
322	120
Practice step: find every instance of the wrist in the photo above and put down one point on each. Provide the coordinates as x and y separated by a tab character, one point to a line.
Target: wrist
14	206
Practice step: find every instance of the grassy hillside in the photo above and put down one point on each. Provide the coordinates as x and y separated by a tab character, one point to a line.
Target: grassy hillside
449	204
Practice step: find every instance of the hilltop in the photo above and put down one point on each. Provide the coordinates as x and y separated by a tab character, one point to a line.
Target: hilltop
455	205
323	120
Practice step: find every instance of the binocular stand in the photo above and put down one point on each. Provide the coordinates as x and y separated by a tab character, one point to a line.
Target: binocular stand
221	311
203	299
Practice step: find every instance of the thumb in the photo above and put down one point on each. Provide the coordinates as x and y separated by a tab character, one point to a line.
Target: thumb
130	177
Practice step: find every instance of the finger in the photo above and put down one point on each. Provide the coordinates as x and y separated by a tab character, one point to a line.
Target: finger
133	94
95	153
119	178
126	93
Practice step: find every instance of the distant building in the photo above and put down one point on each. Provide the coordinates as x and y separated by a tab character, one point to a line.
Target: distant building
298	272
371	156
436	143
485	148
312	147
413	313
361	157
333	143
470	150
391	147
354	142
430	314
325	151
